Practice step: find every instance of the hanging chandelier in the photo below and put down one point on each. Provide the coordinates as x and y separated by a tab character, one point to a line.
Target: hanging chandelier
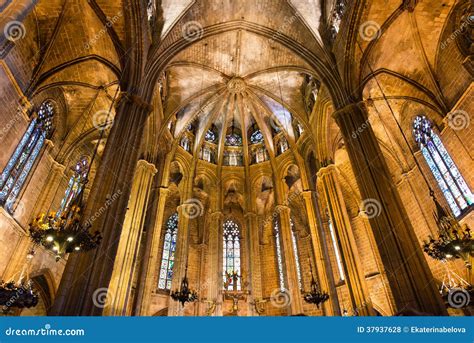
19	294
63	234
454	240
184	294
315	296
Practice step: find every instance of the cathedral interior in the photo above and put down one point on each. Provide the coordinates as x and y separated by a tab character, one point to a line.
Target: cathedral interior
236	158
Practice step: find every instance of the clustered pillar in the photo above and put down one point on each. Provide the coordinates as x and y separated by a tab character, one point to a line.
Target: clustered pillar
411	282
361	304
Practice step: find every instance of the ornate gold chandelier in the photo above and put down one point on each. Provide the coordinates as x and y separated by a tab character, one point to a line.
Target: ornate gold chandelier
64	234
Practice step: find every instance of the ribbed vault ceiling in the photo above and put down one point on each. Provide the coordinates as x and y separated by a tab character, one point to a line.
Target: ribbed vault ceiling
238	83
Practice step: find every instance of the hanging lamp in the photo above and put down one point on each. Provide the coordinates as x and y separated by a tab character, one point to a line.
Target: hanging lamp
65	231
20	293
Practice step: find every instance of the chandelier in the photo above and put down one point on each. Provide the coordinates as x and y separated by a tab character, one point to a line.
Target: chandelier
63	234
454	240
19	294
315	296
63	231
184	294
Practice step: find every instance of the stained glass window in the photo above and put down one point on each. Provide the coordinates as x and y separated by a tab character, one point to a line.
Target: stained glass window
25	154
336	251
282	145
231	254
449	179
207	154
76	184
295	250
210	136
279	254
261	155
233	139
256	137
185	143
150	9
169	248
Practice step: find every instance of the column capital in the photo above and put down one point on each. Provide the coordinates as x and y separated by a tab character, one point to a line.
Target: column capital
164	191
326	170
56	166
48	144
147	166
250	214
134	99
308	194
350	108
281	208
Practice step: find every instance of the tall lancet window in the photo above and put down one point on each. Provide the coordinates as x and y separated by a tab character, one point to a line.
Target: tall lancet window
279	254
295	250
169	248
231	255
76	184
450	180
335	245
21	162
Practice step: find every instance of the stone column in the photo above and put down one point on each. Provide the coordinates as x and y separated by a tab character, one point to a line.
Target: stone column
411	281
214	281
355	279
255	262
87	275
151	259
289	265
323	266
121	282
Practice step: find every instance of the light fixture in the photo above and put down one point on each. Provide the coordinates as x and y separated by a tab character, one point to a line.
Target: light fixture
63	231
20	293
65	234
454	240
184	294
315	295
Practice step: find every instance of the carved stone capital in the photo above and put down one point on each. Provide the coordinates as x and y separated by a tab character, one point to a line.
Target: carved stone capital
134	99
147	166
250	215
349	109
326	170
